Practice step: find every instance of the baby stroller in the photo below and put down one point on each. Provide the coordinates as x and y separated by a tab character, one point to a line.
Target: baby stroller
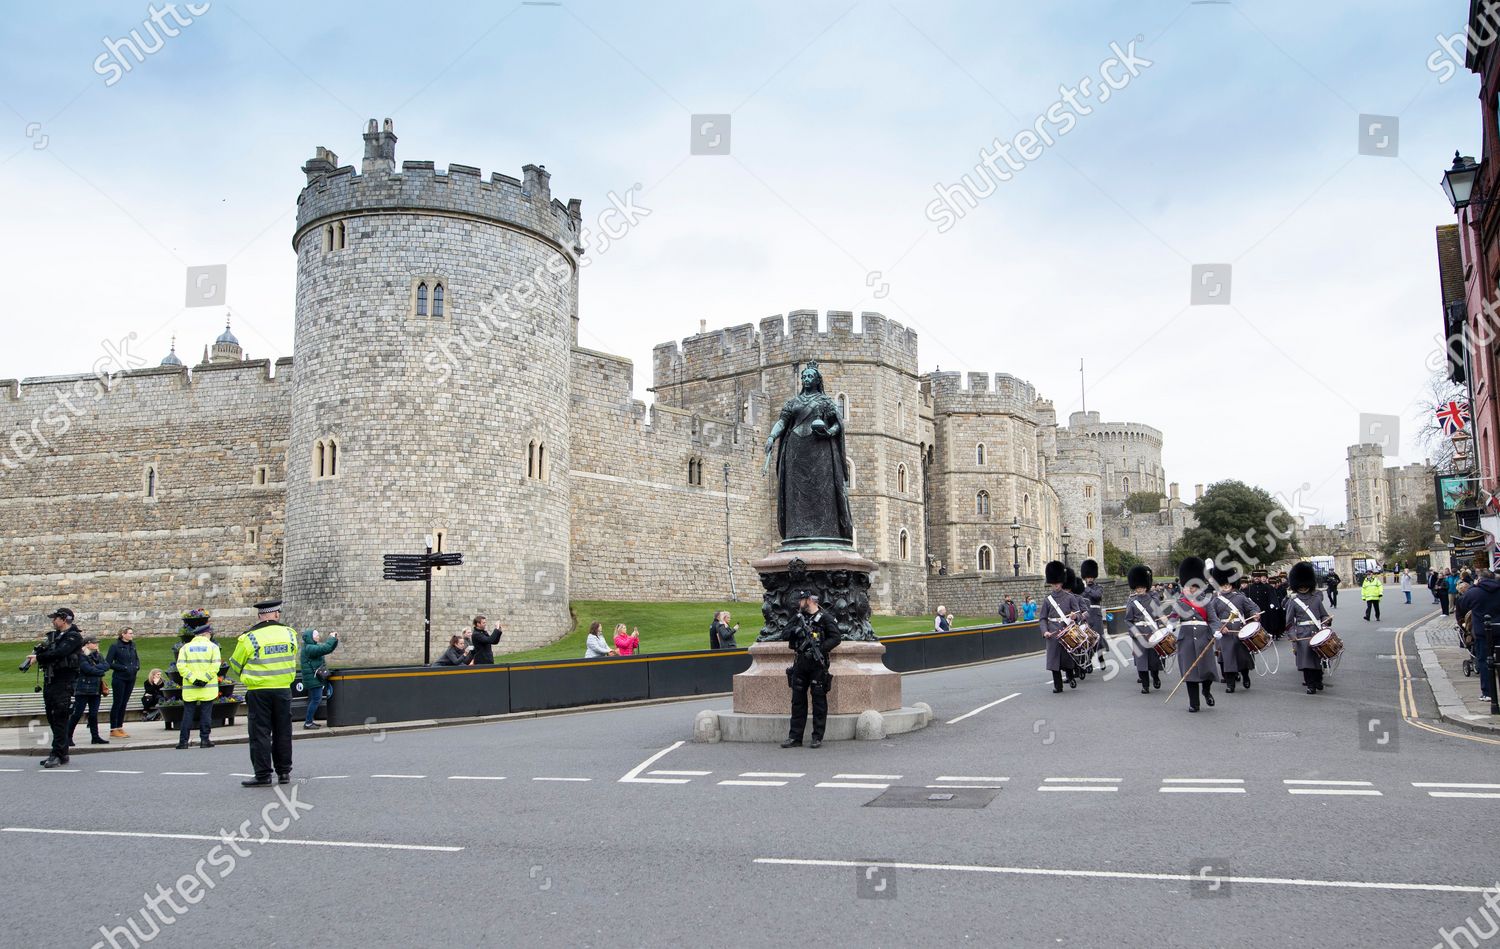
1466	639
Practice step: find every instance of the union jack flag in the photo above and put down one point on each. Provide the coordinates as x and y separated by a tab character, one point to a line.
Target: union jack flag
1454	417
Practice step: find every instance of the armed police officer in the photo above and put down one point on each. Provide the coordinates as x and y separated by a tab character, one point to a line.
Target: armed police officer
265	661
60	661
813	634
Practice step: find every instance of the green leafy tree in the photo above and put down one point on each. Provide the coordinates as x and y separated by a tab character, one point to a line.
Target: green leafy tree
1143	502
1118	562
1240	524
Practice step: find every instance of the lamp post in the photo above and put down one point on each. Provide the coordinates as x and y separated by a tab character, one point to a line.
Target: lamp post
1015	545
1065	538
1459	181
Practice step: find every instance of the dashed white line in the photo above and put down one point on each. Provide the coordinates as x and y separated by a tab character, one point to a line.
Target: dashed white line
1082	780
963	787
955	721
868	777
773	774
474	777
1329	784
410	777
754	784
325	777
184	774
60	770
969	778
1084	787
851	784
579	780
233	774
1445	784
1482	795
109	771
1202	780
1199	789
683	774
11	769
1337	792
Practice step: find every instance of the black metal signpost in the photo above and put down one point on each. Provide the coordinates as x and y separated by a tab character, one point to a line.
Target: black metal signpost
406	567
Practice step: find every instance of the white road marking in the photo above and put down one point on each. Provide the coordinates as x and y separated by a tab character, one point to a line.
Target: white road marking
634	774
850	784
968	777
1082	780
1491	796
233	774
687	774
773	774
1085	787
1330	784
1336	792
184	774
474	777
579	780
108	771
961	787
412	777
1218	789
61	770
245	840
325	777
1467	787
655	780
1128	875
14	769
754	784
955	721
1202	780
868	777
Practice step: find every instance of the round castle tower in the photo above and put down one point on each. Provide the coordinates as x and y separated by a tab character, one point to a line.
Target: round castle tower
430	398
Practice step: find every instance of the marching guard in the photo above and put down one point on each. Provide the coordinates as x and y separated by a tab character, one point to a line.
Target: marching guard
1054	618
1140	614
1093	593
1195	639
1306	616
1228	611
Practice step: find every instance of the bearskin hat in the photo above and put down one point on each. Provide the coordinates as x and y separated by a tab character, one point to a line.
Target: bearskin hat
1070	578
1139	577
1089	570
1302	576
1219	574
1054	571
1191	570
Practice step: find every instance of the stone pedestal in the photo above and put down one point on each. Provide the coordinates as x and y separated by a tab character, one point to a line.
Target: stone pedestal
840	578
861	681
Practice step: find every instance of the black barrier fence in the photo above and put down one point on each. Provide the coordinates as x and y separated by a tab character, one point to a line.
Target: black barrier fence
401	694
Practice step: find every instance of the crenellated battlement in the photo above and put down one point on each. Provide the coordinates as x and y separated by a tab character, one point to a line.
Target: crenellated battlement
980	393
252	377
338	191
1089	425
785	339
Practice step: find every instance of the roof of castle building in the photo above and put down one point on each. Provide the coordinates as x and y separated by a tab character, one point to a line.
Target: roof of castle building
172	359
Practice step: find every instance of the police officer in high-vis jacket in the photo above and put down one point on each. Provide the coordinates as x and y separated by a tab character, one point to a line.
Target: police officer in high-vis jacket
265	661
198	662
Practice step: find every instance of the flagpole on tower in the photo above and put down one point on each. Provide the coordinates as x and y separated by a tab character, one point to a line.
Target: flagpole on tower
1083	390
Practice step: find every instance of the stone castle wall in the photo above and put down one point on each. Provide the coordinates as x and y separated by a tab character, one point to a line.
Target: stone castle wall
1130	453
79	529
978	596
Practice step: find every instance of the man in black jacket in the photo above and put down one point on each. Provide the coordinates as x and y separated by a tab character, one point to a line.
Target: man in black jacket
1482	600
60	665
812	636
484	641
1331	583
124	664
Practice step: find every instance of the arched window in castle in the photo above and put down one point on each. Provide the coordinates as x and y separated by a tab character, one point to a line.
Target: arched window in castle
151	481
849	470
328	238
1125	485
982	504
1028	558
437	300
340	237
1025	461
422	298
1088	521
1088	490
695	471
333	457
843	403
1091	549
904	545
320	455
325	458
979	454
900	479
536	460
1026	506
986	559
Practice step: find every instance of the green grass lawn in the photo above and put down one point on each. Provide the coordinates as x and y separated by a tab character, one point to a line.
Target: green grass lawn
679	627
155	653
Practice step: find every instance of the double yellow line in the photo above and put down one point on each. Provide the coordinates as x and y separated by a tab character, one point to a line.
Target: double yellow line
1408	700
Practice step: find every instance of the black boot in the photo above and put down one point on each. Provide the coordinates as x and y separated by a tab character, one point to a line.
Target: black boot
1230	687
1057	681
1246	676
1156	681
1208	695
792	743
1145	685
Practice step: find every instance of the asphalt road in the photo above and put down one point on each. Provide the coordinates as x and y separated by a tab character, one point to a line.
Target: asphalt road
1099	817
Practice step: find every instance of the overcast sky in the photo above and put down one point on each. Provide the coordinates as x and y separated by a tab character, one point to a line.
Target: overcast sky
1238	144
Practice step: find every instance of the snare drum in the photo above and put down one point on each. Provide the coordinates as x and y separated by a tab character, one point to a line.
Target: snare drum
1073	638
1254	637
1164	642
1326	644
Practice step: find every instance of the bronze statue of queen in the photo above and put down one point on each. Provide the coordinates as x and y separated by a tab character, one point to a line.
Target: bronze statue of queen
812	481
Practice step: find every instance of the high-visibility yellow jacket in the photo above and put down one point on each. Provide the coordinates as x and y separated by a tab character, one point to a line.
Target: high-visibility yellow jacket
1371	589
198	665
265	657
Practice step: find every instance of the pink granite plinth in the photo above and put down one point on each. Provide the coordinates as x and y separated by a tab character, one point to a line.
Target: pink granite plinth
860	680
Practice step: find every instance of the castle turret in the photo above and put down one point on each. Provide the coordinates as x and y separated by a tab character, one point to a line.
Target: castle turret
433	337
226	348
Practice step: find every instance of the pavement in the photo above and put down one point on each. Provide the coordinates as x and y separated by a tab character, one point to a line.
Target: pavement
1457	694
1097	817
